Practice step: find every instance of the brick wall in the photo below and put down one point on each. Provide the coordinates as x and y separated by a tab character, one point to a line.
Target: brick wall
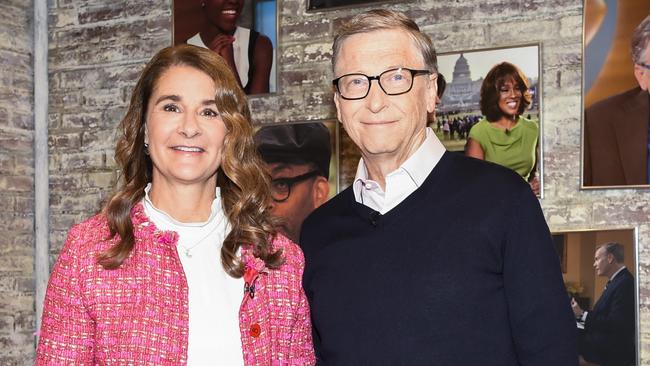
16	183
97	49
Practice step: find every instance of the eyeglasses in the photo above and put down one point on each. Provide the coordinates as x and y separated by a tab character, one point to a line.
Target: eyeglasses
281	187
644	65
393	82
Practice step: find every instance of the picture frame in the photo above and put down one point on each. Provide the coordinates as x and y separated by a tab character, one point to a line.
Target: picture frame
613	150
459	108
321	5
581	278
257	25
333	128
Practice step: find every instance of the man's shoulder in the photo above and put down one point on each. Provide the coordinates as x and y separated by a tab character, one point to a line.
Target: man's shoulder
334	207
613	103
481	174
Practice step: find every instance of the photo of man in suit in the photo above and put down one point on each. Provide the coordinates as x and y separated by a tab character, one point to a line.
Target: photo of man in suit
616	144
608	335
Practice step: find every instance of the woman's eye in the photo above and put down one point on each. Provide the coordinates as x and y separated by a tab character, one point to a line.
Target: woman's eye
209	113
170	108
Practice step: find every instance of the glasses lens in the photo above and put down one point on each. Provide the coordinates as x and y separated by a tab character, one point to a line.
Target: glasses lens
396	81
280	190
353	86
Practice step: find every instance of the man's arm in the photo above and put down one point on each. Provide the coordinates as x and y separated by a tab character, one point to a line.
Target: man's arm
541	320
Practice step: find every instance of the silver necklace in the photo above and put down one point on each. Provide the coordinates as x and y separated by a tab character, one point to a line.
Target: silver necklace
196	244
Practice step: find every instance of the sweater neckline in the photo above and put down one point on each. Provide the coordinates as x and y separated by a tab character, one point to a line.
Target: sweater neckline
410	203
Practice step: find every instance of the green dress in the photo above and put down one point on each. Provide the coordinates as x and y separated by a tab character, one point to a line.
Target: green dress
515	149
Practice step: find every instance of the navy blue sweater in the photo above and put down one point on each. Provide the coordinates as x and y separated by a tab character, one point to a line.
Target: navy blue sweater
462	272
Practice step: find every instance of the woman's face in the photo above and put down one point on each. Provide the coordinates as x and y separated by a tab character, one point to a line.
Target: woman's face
223	14
184	130
510	95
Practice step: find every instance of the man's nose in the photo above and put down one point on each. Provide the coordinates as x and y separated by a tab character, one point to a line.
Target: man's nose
376	98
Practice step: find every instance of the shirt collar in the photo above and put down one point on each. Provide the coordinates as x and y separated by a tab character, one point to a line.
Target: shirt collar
617	272
417	166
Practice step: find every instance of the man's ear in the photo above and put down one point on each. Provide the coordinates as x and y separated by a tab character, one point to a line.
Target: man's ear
337	102
320	191
639	74
432	93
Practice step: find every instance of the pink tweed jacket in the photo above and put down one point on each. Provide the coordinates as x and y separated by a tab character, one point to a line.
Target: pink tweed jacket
138	314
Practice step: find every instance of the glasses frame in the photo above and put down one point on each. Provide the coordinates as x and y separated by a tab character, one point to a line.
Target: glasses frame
290	182
644	65
414	73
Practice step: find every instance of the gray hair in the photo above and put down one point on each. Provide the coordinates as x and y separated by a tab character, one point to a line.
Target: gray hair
640	40
380	19
614	249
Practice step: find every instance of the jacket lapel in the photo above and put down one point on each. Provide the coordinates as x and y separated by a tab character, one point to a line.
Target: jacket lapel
632	137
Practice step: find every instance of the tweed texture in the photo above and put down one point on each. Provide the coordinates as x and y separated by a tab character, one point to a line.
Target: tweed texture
138	314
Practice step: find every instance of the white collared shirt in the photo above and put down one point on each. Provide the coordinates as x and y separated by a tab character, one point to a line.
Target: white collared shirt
401	182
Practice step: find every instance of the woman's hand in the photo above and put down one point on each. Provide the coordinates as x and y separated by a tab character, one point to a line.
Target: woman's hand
534	185
222	45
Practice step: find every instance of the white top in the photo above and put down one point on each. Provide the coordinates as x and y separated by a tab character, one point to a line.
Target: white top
401	182
239	51
214	297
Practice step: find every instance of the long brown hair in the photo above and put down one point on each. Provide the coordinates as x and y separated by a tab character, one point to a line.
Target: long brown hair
240	176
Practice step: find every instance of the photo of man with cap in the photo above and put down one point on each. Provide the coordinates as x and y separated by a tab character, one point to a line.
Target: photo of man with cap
298	159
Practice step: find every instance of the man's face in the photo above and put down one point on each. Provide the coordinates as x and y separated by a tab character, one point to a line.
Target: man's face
305	196
602	262
641	73
383	126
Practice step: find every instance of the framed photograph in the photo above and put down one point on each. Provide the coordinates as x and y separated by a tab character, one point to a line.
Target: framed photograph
316	5
615	108
333	131
586	280
244	33
459	111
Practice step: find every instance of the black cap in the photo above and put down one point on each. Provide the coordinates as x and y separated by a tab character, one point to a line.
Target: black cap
303	143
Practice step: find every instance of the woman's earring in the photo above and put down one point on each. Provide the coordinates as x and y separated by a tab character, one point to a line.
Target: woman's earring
146	148
203	4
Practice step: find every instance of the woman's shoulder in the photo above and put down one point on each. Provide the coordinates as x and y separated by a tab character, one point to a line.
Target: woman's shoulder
480	127
529	124
89	232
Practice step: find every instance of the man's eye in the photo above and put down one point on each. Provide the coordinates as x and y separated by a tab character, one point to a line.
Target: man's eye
170	108
280	185
357	82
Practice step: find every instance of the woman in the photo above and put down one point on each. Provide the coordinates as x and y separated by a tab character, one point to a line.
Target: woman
182	265
248	52
504	136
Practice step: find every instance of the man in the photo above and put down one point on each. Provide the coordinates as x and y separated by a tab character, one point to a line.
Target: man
616	129
298	158
608	337
394	274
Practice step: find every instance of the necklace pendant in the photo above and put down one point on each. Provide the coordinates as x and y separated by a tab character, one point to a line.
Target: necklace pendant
187	253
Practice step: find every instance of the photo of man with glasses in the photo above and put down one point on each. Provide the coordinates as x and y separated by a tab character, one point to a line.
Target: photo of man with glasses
298	159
